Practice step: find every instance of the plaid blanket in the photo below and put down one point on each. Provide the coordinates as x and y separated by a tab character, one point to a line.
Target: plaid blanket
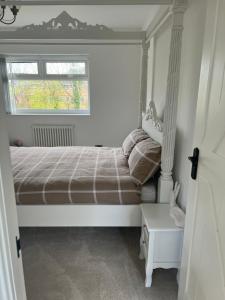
67	175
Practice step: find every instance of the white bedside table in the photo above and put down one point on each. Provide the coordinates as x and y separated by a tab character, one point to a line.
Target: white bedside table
161	240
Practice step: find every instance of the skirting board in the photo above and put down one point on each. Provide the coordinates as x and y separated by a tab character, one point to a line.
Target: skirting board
79	215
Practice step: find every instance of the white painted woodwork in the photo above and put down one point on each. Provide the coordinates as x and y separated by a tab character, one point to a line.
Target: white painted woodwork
203	263
128	18
144	70
152	124
69	42
161	240
160	19
153	132
175	14
63	27
165	184
150	72
56	37
11	270
83	215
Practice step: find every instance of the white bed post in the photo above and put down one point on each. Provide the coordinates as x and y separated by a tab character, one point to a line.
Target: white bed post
165	184
144	71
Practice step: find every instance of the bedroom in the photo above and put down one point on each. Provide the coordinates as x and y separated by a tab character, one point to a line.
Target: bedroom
117	68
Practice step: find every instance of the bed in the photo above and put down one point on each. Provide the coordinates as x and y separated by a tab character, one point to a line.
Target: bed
80	186
75	175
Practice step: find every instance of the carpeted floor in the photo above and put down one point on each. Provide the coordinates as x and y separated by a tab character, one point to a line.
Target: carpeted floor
89	264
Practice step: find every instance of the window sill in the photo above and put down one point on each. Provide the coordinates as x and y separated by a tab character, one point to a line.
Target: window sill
53	115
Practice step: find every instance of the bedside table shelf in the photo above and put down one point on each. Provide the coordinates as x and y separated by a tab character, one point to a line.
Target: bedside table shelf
161	240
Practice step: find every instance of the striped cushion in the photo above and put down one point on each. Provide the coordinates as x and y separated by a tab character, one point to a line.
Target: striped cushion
136	136
144	160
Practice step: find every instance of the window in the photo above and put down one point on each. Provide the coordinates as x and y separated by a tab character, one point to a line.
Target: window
48	86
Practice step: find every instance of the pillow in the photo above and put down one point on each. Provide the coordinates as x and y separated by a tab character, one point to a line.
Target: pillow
136	136
144	160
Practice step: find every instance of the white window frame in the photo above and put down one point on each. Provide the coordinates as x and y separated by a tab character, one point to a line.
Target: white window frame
42	75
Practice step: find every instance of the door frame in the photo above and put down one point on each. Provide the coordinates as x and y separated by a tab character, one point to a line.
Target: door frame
7	284
203	97
12	285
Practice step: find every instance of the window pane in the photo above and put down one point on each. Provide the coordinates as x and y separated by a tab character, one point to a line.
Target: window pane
63	68
49	94
22	68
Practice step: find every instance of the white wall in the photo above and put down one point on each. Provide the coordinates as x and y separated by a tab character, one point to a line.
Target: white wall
159	62
190	69
114	94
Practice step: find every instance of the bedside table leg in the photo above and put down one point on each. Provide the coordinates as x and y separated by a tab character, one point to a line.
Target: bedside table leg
149	271
148	279
149	262
141	253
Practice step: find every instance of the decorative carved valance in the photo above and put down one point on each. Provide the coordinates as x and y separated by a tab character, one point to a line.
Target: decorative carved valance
64	23
66	27
152	114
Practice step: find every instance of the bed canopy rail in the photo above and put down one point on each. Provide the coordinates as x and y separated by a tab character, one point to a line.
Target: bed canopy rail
65	29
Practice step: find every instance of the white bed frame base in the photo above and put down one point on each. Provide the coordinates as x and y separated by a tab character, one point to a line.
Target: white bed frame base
79	215
163	132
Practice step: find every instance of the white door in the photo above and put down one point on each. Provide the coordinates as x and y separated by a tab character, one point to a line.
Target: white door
203	264
11	270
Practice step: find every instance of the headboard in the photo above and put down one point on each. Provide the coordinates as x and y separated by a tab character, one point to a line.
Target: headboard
152	124
157	130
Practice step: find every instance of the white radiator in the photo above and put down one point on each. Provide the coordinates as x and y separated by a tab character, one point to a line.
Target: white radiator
53	135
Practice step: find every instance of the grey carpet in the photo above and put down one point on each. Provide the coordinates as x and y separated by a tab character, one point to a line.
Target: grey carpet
89	264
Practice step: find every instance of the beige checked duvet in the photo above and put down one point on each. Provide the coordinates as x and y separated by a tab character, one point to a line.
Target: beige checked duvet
72	175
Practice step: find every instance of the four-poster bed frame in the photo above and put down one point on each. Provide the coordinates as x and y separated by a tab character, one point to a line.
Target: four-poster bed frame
66	30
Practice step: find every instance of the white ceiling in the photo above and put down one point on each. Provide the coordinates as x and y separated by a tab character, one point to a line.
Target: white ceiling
133	17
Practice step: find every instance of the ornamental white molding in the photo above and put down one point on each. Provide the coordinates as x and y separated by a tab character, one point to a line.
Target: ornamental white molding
64	27
63	23
151	114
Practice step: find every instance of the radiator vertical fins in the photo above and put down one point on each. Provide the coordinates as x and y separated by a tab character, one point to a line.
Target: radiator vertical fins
53	135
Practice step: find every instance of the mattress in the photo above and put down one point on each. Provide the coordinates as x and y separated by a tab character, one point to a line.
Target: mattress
149	192
73	175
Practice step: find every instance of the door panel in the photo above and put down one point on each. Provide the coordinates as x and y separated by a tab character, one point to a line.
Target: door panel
205	270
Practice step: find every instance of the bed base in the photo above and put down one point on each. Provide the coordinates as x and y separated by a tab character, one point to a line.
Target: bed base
83	215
